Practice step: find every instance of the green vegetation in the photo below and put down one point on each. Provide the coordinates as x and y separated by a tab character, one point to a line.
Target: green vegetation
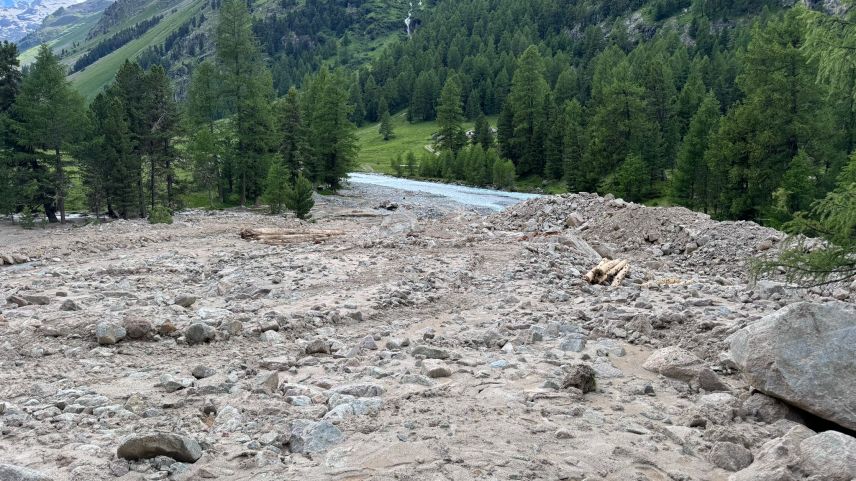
160	215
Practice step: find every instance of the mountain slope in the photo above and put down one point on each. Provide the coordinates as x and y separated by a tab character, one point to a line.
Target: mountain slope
296	36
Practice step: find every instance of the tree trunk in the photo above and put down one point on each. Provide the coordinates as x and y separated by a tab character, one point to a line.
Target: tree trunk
60	188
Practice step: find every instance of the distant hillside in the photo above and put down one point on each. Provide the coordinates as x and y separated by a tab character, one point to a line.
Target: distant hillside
20	17
297	36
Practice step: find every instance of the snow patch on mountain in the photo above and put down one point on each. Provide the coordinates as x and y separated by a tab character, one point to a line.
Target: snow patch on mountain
19	17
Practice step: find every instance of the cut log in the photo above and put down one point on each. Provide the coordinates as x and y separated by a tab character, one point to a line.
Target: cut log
620	276
608	272
288	236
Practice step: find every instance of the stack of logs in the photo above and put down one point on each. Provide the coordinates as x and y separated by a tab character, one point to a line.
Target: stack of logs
11	259
278	237
609	272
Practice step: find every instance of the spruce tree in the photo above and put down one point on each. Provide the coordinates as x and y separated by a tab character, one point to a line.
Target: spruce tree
293	146
333	142
277	189
577	177
483	135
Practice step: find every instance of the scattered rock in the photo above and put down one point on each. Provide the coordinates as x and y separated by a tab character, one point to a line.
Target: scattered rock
580	376
184	300
9	472
429	352
69	305
313	437
434	369
199	332
804	354
201	372
108	333
138	328
730	456
318	346
180	448
831	455
674	362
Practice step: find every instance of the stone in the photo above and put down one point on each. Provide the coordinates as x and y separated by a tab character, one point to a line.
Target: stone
674	362
730	456
18	301
10	472
429	352
313	437
763	408
266	382
184	300
37	299
397	344
201	372
774	458
709	381
179	448
109	333
435	369
573	343
272	337
368	343
318	346
360	390
198	333
580	376
69	305
804	354
137	328
830	455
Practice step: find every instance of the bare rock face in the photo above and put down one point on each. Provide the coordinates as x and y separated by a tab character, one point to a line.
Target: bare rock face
804	354
774	460
180	448
9	472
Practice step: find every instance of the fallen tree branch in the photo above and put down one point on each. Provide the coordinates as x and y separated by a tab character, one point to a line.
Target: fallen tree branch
273	236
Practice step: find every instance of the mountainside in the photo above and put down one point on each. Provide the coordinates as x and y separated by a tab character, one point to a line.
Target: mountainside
299	36
19	17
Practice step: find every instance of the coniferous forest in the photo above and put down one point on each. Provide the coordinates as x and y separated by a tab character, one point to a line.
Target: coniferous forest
743	110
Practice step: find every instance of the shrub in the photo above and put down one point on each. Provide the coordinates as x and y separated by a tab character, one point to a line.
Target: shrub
160	215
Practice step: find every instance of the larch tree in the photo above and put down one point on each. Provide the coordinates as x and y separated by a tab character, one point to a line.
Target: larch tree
50	117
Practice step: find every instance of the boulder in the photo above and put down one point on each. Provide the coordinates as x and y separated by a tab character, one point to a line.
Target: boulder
9	472
830	455
580	376
434	369
313	437
804	354
108	333
730	456
138	328
179	448
429	352
199	332
774	460
674	362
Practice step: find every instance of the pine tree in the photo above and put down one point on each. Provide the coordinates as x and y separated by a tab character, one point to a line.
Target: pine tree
450	116
385	128
554	168
689	182
162	126
203	108
50	116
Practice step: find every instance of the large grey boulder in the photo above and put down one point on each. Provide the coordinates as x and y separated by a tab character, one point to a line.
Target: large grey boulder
179	448
675	363
830	455
9	472
804	354
313	437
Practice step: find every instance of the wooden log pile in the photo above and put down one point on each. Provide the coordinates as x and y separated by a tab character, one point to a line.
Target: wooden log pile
608	272
278	237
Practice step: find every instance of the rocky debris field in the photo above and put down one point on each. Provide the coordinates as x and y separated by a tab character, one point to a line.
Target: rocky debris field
428	342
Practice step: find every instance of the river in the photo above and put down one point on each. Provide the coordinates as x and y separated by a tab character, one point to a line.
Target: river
472	196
